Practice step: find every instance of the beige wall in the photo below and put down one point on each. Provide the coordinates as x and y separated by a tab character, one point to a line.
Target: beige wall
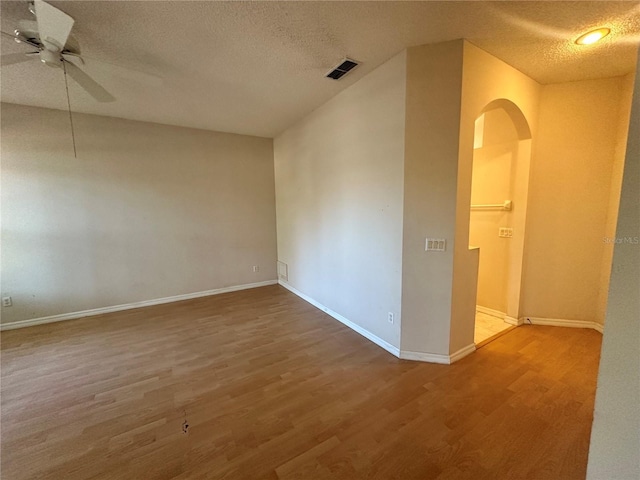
339	184
493	182
486	79
146	211
434	76
571	198
615	436
614	194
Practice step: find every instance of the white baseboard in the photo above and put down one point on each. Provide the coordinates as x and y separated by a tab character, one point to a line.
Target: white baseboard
403	354
128	306
356	328
425	357
496	313
561	322
554	322
463	352
490	311
513	321
438	358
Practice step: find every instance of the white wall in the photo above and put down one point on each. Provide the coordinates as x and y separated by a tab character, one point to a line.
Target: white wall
615	437
146	211
339	184
493	182
614	193
487	79
434	77
572	191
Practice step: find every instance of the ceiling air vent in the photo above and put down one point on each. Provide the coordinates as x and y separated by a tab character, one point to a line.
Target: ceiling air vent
341	70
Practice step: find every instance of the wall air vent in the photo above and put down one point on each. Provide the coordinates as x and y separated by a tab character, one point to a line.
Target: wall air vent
341	70
283	271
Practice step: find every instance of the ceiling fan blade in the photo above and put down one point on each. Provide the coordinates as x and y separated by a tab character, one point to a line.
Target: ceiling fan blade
88	83
13	58
73	58
125	72
54	26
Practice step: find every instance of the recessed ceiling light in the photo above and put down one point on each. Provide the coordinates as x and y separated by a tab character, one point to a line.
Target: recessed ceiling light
593	36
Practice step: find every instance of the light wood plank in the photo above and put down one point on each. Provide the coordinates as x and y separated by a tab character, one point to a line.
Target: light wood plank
271	387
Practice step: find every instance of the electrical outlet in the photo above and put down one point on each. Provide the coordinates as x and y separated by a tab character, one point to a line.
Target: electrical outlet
256	268
6	301
390	317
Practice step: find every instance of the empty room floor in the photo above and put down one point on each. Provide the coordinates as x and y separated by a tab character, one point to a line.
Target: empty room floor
259	384
488	326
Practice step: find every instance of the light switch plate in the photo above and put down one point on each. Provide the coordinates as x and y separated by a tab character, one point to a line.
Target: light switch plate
436	245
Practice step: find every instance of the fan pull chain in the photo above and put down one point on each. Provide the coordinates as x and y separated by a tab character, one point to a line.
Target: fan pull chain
66	86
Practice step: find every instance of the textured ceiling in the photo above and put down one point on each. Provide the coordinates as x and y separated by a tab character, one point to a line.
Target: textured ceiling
257	67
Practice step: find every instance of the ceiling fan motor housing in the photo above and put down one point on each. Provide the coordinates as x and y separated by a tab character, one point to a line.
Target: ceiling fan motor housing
50	58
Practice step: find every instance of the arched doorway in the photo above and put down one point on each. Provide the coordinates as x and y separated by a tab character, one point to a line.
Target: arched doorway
499	188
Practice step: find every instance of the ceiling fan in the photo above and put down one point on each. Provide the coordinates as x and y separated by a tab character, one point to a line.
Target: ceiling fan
50	36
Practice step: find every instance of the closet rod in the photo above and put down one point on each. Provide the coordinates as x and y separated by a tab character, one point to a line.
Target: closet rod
507	205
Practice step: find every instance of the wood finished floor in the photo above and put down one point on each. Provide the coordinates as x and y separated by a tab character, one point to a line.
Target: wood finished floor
261	385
